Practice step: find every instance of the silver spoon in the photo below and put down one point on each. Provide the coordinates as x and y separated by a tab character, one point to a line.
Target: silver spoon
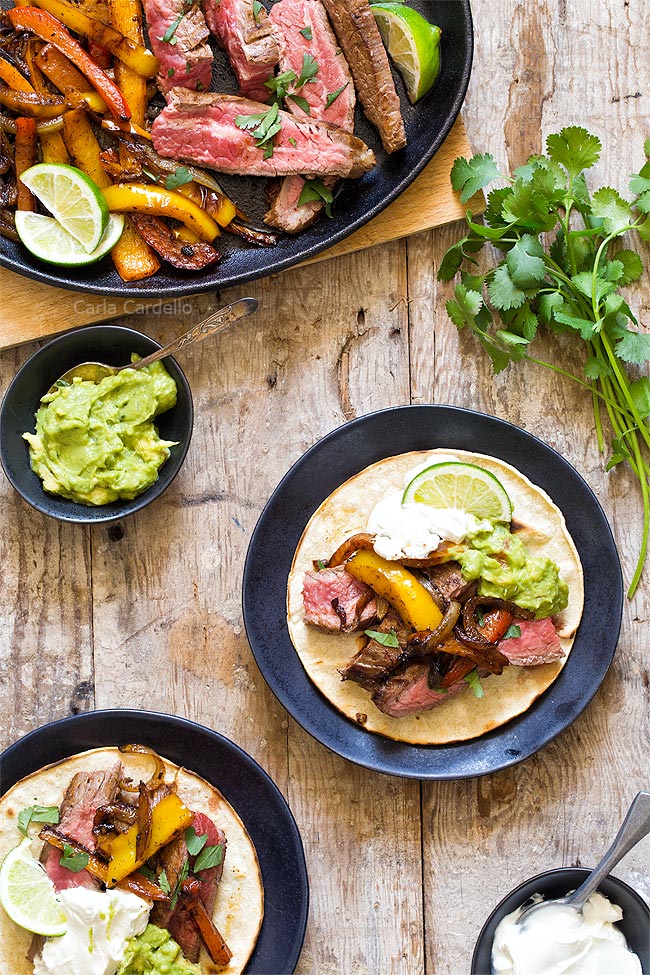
635	826
216	322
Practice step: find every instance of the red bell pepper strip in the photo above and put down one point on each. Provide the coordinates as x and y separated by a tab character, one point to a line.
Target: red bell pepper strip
25	159
44	25
100	55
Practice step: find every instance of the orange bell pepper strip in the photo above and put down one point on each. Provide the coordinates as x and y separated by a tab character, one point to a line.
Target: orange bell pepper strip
397	586
12	77
159	202
25	156
44	25
32	104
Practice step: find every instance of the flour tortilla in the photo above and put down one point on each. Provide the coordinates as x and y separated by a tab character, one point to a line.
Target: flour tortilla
239	906
541	526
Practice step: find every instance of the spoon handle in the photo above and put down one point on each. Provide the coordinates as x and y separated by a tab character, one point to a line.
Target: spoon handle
219	320
635	826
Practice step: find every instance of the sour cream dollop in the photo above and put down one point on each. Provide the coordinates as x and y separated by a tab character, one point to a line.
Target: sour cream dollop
413	531
100	924
557	940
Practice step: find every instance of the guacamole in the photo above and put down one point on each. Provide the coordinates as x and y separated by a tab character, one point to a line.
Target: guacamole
154	952
508	571
96	442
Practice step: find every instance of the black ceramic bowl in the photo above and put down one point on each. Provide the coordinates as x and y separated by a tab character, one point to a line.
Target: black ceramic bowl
113	345
556	883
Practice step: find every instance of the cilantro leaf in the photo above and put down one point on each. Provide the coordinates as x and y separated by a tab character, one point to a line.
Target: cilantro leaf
210	856
468	304
474	682
313	190
468	176
512	632
526	262
574	148
632	266
634	347
306	32
333	95
504	294
37	814
73	861
193	842
594	368
309	70
640	392
615	212
279	85
300	102
257	10
585	326
163	882
263	127
179	177
386	639
168	36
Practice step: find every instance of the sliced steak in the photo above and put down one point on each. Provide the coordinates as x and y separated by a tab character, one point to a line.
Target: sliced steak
243	28
172	859
409	692
291	18
374	662
336	602
85	793
185	57
449	580
203	129
538	643
357	32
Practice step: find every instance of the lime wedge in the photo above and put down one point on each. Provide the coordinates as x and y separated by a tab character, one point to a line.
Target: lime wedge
72	198
28	895
464	486
49	241
413	44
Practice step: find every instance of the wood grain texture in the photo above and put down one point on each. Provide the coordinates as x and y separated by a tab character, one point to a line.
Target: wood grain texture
33	310
147	612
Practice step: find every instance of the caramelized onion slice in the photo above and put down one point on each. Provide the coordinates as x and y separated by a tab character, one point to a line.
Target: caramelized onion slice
349	547
159	775
470	623
143	820
422	643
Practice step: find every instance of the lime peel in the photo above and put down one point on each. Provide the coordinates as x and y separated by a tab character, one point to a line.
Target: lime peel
72	198
466	487
48	240
28	895
413	44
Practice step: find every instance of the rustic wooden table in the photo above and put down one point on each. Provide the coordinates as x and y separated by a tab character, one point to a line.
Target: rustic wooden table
147	613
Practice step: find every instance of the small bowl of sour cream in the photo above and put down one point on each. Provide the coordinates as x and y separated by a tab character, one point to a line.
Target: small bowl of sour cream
89	455
611	938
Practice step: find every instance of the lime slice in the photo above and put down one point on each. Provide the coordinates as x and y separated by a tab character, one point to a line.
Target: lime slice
464	486
28	895
72	198
413	44
49	241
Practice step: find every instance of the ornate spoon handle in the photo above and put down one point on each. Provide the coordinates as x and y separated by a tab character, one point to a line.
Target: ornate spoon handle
219	320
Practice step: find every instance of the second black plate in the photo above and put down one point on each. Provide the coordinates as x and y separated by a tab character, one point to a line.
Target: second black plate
345	452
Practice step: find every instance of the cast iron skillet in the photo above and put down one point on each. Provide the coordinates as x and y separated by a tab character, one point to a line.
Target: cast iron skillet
427	125
256	799
342	454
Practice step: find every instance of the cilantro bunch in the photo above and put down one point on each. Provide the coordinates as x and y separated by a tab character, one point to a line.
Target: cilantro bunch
562	269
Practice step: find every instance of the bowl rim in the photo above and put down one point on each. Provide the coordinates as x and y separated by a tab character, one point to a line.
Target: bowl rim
582	873
103	514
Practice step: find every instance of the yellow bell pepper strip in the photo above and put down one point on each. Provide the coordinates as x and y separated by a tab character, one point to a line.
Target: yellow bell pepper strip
12	76
51	143
397	586
129	128
44	25
159	202
25	157
169	818
135	55
126	17
62	73
32	104
84	147
54	837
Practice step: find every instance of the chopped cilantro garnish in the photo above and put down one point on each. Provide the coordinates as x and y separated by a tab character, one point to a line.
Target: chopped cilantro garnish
37	814
474	682
301	103
512	632
179	177
263	127
76	862
171	72
257	9
386	639
309	70
210	856
306	32
193	842
315	189
333	95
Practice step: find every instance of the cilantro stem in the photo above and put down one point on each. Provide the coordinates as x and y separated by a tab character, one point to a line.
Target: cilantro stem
598	421
625	389
570	375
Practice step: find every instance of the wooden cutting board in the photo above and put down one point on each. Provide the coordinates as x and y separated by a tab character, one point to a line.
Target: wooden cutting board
32	310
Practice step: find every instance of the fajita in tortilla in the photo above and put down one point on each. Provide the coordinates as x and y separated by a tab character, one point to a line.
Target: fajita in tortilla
127	836
450	637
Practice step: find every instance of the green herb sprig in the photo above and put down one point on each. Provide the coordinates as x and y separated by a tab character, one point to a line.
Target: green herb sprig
264	126
562	271
72	860
37	814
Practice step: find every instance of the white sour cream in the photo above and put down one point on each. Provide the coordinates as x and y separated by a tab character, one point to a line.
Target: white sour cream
413	531
100	924
557	940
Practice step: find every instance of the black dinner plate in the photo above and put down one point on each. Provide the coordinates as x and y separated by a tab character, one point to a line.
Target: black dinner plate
245	785
345	452
357	201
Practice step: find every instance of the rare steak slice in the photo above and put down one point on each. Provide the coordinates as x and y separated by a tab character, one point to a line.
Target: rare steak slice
538	643
243	28
178	35
303	32
408	692
86	792
357	32
336	602
218	131
374	662
175	860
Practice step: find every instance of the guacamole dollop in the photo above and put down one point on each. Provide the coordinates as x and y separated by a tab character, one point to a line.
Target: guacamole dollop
154	952
508	571
96	442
